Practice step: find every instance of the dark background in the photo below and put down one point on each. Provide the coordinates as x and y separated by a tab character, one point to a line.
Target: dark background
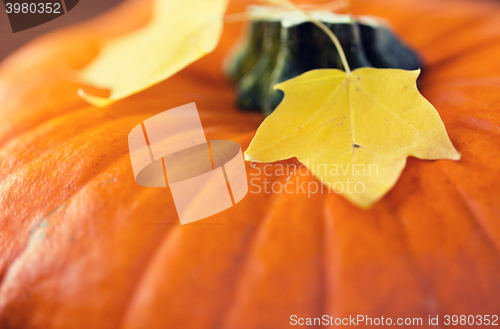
85	9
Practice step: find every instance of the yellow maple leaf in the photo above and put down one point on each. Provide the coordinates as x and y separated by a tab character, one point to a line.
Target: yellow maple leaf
179	33
353	128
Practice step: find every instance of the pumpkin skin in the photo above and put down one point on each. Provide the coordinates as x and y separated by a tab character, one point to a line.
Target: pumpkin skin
82	245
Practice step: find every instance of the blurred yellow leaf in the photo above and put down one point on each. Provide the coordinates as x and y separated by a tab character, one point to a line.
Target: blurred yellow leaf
179	33
353	131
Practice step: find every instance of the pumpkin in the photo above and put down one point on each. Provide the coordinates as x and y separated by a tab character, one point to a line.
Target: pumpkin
83	246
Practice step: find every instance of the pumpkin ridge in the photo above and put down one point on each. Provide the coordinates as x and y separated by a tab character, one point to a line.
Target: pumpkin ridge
7	136
484	125
234	284
423	281
462	256
480	220
12	134
226	320
462	25
6	264
242	139
4	268
85	130
130	303
54	146
248	295
66	203
407	267
481	81
472	50
71	109
14	251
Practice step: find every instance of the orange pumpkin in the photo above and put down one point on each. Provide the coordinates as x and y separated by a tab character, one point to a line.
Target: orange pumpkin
83	246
